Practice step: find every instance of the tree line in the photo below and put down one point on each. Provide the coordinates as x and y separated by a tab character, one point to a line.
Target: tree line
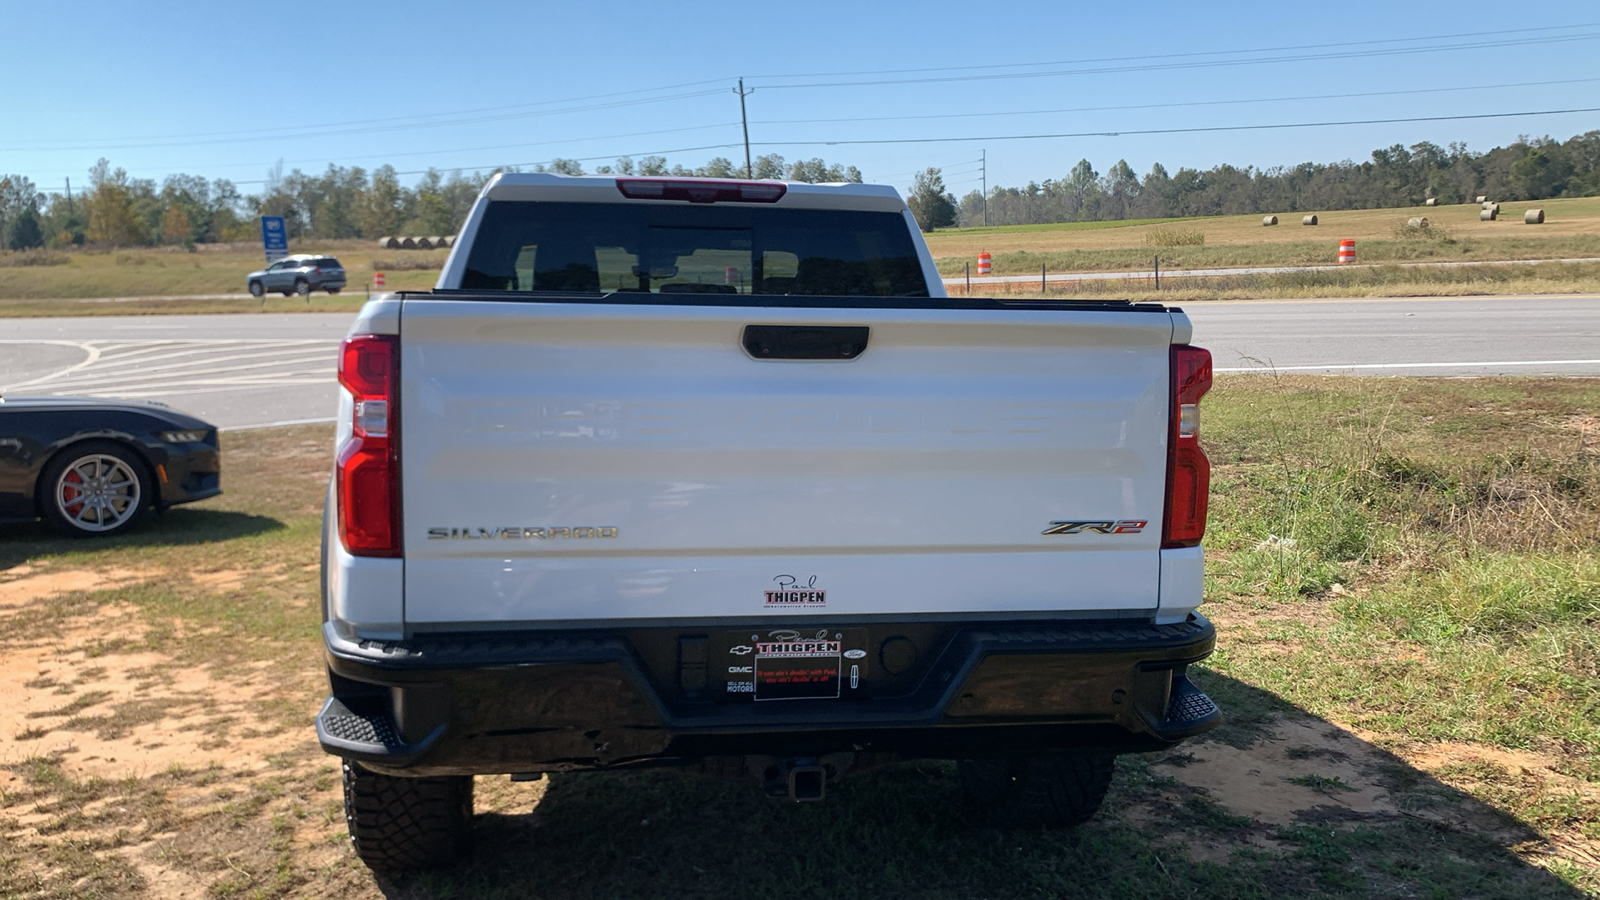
350	202
115	209
1528	169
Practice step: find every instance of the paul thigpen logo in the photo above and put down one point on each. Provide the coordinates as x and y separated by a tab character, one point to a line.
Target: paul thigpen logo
791	592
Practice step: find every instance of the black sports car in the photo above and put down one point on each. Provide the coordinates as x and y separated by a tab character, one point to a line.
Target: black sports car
90	466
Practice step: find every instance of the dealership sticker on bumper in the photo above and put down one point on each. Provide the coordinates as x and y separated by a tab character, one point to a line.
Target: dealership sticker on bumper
792	670
793	664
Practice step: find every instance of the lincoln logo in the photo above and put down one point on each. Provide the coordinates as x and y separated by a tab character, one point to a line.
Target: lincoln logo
1123	526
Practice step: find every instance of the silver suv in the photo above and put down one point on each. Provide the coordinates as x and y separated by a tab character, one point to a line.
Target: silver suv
299	274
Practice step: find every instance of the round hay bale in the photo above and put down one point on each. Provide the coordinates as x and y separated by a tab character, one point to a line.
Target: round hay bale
1533	217
1487	215
449	240
408	244
1269	220
1489	204
436	241
1431	201
1309	220
1481	198
423	243
389	243
1417	223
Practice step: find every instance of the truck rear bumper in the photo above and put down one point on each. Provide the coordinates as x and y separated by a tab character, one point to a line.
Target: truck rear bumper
525	702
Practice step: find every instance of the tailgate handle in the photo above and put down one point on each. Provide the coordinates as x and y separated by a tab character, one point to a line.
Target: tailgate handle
805	341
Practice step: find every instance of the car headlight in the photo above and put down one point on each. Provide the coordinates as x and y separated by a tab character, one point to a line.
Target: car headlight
183	437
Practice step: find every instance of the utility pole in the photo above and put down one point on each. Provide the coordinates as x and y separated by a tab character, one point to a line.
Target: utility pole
984	160
69	198
749	170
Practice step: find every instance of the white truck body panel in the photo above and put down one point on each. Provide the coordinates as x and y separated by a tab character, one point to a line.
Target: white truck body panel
916	479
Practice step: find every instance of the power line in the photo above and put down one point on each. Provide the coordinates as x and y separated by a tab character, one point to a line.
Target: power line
1025	137
315	130
501	166
1209	64
375	130
516	146
1343	95
1125	132
1434	37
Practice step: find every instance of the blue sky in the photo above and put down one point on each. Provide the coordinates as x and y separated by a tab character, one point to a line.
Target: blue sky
228	89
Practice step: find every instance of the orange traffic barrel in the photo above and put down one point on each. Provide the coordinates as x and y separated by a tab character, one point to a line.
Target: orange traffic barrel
1347	252
984	263
377	279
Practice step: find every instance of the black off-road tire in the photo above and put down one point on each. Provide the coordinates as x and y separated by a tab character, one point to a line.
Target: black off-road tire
402	825
257	289
1037	791
302	287
333	290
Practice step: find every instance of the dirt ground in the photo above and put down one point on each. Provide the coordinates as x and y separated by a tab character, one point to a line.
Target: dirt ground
157	695
195	780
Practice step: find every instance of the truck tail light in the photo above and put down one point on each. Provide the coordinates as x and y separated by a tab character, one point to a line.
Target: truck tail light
1188	470
702	190
368	469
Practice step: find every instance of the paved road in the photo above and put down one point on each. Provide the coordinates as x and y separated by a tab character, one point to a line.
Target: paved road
234	370
251	370
1527	335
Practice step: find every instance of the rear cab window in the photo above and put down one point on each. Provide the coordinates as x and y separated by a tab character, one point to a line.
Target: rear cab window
536	246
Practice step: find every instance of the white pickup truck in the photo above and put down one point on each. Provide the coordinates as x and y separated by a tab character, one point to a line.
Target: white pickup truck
713	474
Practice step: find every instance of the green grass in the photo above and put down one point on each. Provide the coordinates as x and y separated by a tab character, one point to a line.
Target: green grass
1071	226
1302	253
209	269
1410	560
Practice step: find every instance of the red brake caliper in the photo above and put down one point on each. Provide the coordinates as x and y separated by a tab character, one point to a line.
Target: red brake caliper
71	493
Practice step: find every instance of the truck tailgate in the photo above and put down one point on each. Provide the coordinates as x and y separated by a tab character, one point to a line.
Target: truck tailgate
583	462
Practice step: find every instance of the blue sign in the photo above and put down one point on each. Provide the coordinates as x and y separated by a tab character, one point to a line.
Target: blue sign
274	238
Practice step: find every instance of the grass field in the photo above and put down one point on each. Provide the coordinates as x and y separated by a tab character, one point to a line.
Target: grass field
1572	231
1403	573
210	269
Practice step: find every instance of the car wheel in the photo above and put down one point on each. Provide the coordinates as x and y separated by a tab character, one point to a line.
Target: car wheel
407	824
1055	791
257	289
302	287
333	290
93	489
